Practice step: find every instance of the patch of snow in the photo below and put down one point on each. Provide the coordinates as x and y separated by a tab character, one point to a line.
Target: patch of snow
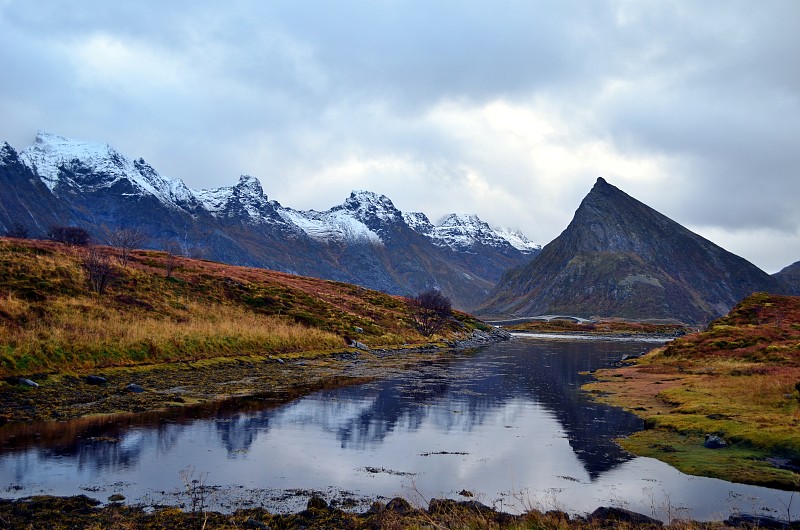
333	225
50	153
517	239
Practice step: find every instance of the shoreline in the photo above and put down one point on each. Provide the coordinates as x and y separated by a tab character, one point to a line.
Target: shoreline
397	513
335	369
160	387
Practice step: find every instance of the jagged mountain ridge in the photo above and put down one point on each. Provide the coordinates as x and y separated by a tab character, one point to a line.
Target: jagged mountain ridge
365	240
620	258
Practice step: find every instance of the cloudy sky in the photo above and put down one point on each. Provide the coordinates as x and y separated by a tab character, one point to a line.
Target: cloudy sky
508	109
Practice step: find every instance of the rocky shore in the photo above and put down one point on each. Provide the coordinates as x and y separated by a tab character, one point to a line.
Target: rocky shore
59	397
396	514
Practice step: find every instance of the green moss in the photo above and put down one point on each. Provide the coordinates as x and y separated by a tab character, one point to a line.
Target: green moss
735	463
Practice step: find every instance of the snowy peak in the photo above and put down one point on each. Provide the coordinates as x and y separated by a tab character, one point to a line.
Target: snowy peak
418	222
249	186
517	239
8	155
66	164
369	207
245	200
90	170
463	232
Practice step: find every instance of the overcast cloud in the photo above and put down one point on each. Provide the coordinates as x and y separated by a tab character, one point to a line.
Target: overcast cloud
508	109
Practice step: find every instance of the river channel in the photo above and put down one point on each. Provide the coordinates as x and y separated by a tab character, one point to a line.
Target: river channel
506	424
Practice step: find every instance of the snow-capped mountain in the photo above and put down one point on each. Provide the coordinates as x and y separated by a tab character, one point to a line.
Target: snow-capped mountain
365	240
466	231
65	165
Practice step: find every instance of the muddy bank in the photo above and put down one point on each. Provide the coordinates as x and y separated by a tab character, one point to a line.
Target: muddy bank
60	397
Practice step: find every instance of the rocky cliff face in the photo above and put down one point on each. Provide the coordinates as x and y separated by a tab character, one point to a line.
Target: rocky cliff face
365	240
620	258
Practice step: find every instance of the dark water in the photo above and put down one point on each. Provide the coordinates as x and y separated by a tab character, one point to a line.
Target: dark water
507	423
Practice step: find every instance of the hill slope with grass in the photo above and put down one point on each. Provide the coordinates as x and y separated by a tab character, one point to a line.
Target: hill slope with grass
162	308
738	380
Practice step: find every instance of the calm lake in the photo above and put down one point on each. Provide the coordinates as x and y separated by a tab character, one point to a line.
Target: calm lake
506	423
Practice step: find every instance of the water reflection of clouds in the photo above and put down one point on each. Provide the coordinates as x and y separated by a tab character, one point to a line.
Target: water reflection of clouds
509	422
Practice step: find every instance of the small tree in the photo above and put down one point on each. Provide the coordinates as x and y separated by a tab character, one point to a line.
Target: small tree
430	311
70	235
171	262
99	269
126	240
17	230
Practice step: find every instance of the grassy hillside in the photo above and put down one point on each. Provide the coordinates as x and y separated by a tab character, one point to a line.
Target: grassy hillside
739	379
160	308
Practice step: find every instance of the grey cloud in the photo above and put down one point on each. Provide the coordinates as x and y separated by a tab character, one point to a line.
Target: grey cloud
285	90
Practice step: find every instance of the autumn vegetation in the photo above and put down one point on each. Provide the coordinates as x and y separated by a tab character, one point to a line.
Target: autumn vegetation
739	380
72	308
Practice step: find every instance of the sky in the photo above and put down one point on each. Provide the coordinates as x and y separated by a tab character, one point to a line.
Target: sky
509	109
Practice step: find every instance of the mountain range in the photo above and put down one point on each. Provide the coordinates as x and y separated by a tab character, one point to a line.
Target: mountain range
365	241
620	258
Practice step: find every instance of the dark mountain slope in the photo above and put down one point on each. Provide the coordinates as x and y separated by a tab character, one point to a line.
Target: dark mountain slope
790	277
620	258
24	199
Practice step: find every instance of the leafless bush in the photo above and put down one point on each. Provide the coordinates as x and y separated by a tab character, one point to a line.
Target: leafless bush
99	269
430	311
126	240
173	250
70	235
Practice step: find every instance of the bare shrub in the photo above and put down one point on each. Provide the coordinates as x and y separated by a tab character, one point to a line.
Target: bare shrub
69	235
173	250
126	240
430	310
99	269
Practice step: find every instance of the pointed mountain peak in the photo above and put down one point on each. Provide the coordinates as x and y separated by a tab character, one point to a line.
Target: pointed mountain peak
619	257
250	185
8	155
369	206
463	219
364	197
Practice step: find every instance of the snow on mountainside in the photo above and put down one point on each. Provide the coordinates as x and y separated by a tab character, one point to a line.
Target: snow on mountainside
62	162
245	199
418	222
67	165
463	231
517	239
332	225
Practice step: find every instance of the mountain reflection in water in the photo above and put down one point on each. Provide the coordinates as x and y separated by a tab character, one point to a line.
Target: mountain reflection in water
507	420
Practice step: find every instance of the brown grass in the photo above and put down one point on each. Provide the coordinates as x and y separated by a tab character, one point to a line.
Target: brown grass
51	320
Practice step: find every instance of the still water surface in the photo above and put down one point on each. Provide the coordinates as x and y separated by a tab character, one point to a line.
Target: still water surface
507	423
